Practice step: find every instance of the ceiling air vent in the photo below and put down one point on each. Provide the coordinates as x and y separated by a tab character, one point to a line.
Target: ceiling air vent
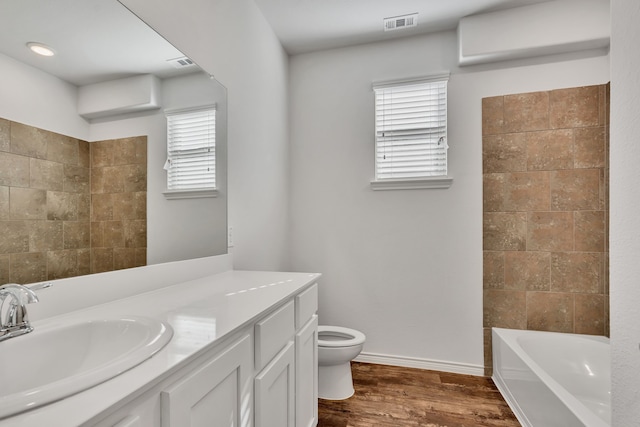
400	22
181	62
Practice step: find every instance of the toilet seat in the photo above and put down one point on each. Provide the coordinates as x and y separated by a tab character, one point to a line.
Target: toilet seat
345	337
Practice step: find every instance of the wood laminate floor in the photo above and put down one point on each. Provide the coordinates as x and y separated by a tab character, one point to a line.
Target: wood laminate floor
390	396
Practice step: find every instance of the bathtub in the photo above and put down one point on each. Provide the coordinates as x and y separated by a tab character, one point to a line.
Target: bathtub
552	379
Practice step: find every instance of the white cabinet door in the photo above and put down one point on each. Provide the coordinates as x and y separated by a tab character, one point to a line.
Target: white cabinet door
214	394
307	374
275	391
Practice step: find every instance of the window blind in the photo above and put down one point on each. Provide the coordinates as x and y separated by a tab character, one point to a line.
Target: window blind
411	130
191	147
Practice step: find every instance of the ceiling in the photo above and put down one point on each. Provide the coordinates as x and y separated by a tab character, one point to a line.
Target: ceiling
94	40
308	25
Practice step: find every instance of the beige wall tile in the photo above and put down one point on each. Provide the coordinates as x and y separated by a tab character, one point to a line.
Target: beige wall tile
84	261
135	234
28	267
589	231
550	231
526	112
62	206
113	234
97	180
492	115
46	175
5	135
76	179
14	170
529	271
493	192
504	231
493	270
124	258
488	357
15	237
97	234
140	204
77	234
550	149
27	203
113	179
84	154
56	169
101	154
575	107
101	207
101	260
548	311
128	151
84	207
141	257
123	206
578	189
589	314
504	308
45	235
576	272
62	264
527	191
62	149
4	203
504	153
29	141
5	263
140	142
590	147
135	178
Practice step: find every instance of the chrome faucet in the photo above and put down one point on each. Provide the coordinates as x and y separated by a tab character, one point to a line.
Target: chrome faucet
13	318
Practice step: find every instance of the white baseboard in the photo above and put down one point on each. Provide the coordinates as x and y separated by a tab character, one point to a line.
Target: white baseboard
412	362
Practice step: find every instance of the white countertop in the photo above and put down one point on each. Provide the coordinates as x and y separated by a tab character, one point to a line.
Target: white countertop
202	312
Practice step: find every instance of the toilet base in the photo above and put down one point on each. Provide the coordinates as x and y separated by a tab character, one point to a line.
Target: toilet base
335	382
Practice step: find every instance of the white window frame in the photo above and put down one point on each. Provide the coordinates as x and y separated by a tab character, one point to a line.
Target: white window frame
409	182
196	192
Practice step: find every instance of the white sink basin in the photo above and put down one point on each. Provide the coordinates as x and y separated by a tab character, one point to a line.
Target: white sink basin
54	362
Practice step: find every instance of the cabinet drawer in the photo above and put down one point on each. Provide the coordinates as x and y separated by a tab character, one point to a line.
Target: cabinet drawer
306	305
272	333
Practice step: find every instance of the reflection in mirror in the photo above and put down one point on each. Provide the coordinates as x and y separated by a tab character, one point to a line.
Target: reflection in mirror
83	143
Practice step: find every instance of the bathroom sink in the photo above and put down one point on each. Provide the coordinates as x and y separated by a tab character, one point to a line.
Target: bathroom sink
54	362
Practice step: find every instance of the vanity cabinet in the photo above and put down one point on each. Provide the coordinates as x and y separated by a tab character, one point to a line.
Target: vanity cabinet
263	375
306	346
214	393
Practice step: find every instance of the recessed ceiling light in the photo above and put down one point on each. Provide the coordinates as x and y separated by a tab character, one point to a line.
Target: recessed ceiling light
41	49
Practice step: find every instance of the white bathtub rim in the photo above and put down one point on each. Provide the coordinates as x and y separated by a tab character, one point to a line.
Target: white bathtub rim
585	415
511	401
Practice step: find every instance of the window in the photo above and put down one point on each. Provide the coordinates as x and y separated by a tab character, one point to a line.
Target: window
191	148
411	134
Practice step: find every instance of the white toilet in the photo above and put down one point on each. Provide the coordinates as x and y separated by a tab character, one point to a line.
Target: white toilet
337	347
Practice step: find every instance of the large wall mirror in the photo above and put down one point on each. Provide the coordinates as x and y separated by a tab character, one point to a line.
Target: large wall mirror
83	145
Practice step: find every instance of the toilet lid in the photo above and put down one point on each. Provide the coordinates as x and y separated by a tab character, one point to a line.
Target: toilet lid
336	336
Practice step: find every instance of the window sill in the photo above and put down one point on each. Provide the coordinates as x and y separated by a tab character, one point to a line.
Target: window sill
412	184
190	194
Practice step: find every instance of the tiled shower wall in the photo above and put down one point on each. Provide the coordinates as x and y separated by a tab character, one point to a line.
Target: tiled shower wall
545	204
45	205
118	204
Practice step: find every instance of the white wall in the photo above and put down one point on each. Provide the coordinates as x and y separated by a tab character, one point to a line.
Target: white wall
35	98
624	207
404	267
232	40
